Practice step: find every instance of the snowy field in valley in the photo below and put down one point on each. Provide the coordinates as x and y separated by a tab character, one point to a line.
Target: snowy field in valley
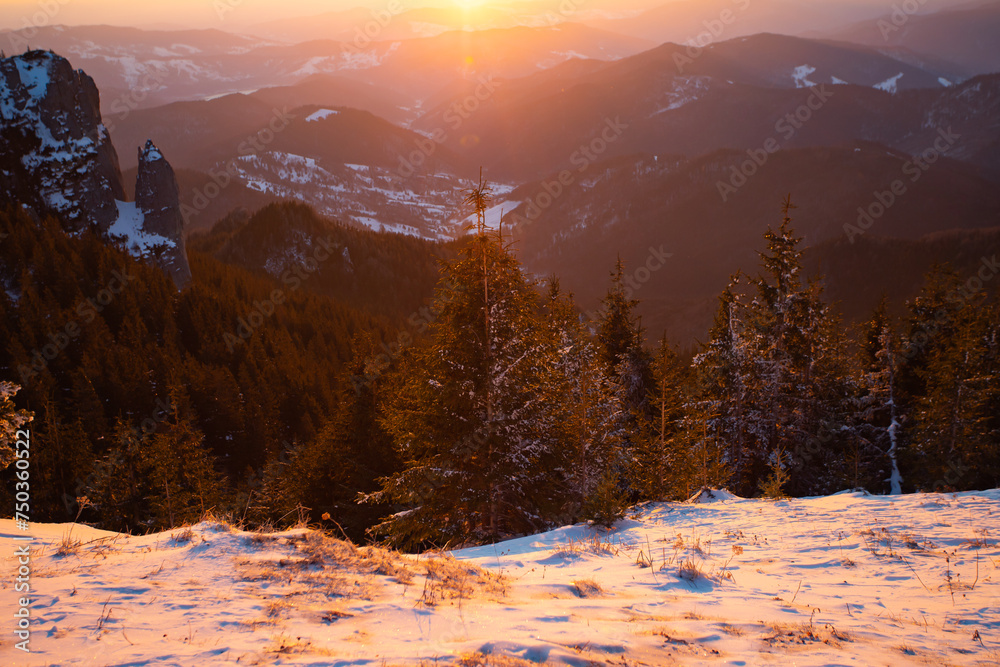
848	579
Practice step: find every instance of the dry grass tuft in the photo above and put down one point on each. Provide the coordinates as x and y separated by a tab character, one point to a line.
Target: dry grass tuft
588	588
67	546
789	634
184	536
731	629
595	545
335	568
479	659
447	578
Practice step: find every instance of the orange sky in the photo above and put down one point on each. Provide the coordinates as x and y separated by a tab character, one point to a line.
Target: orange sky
233	14
222	13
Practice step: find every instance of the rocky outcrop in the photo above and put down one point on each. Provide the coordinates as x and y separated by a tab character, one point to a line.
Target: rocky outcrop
56	158
157	197
56	155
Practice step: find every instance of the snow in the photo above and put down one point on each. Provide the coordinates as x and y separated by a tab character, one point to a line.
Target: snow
686	89
152	154
321	115
713	496
837	81
34	76
425	205
945	82
800	75
129	227
890	85
849	579
569	55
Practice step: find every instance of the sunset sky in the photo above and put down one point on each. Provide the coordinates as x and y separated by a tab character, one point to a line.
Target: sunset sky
231	14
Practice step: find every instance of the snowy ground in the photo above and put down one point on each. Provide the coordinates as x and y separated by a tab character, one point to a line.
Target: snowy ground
843	580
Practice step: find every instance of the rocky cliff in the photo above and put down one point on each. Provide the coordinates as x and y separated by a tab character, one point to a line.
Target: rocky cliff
56	158
157	197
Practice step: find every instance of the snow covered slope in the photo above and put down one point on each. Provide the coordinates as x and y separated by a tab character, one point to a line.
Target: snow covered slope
848	579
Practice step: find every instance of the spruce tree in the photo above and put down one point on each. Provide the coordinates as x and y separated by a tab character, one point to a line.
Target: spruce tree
953	444
775	369
722	369
799	371
590	419
620	336
878	419
672	455
11	421
469	417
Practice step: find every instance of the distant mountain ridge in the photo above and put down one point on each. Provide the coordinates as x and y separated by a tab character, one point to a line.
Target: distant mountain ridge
639	207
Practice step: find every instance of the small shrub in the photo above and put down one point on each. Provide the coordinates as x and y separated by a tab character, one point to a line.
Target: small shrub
607	504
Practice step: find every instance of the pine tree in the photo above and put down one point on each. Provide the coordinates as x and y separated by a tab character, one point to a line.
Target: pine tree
878	419
672	455
775	369
725	385
11	421
953	444
469	416
620	336
590	416
182	475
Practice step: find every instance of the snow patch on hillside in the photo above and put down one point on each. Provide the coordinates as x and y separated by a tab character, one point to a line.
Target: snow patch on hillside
322	114
800	76
890	85
128	227
843	579
685	89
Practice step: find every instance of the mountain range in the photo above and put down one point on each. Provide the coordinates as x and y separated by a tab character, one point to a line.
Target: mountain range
597	141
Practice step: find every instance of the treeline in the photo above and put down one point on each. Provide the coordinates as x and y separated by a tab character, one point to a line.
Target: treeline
515	414
389	274
502	411
152	404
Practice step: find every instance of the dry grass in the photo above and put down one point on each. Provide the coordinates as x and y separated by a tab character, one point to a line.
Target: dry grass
447	578
788	634
68	546
479	659
588	588
731	630
183	537
334	568
981	539
595	545
688	570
